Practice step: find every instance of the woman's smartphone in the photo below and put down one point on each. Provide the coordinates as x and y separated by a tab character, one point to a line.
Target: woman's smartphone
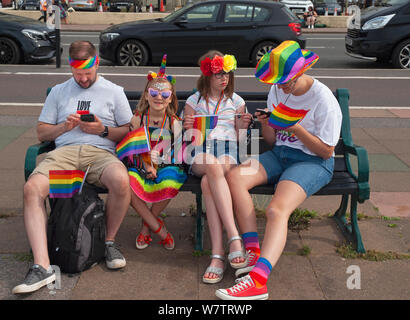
264	112
87	117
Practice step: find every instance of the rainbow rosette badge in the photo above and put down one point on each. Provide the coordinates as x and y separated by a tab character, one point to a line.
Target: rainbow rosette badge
283	117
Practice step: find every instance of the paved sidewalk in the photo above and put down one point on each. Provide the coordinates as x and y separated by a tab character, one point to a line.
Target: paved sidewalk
157	274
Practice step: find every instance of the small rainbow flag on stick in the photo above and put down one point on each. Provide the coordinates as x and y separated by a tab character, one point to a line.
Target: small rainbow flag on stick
204	123
135	142
283	117
65	183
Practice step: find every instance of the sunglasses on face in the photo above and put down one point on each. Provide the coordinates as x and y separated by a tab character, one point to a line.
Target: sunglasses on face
222	74
165	94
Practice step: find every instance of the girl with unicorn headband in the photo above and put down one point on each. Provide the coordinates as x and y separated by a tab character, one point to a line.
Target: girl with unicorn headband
150	181
211	160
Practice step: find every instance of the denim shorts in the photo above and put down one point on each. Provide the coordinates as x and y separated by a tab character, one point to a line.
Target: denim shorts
217	148
285	163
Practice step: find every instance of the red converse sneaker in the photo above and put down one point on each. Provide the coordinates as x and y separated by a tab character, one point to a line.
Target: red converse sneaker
251	257
244	289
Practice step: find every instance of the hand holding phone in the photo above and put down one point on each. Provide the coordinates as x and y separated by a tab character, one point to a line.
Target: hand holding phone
263	112
87	117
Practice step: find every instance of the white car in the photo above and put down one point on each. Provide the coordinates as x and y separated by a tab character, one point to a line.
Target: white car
298	7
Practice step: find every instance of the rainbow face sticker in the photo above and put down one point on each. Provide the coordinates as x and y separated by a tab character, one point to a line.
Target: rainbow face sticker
83	64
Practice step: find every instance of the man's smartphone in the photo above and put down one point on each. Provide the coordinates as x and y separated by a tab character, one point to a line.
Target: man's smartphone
264	112
87	117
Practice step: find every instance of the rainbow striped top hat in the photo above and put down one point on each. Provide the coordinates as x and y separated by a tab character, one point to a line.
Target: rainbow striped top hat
284	63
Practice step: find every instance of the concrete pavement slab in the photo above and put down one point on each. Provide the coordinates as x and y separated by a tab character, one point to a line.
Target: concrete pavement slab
389	182
375	113
402	113
392	204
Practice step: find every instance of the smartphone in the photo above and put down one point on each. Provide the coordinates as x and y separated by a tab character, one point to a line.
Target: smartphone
87	117
264	112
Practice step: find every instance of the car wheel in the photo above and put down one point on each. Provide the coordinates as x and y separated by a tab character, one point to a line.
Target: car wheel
132	53
260	50
9	52
401	55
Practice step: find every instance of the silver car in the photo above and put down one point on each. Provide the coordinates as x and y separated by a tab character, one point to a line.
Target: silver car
83	4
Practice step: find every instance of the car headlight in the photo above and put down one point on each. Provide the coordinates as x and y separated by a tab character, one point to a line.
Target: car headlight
378	22
109	36
34	34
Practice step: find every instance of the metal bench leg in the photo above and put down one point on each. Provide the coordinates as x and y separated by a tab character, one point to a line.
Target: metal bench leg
199	230
355	226
350	231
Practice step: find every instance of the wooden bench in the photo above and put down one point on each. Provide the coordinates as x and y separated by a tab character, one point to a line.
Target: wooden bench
345	182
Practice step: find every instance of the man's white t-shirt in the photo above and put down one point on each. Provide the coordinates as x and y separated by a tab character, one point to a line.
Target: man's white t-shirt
324	119
104	99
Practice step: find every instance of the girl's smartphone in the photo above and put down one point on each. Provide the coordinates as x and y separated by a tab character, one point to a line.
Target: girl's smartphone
264	112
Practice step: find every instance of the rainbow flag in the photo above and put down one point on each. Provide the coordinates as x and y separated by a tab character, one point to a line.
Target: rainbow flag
65	183
166	186
204	123
135	142
283	117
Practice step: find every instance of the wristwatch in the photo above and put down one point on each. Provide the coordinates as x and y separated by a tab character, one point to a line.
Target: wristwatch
104	133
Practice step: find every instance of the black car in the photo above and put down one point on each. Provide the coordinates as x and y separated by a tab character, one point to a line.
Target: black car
23	40
382	34
30	5
246	29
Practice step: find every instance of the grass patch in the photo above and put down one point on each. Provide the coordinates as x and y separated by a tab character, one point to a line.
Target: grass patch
392	225
300	219
304	251
198	253
347	251
23	257
390	218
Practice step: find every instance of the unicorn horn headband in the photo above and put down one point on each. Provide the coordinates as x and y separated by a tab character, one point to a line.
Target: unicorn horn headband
161	73
83	64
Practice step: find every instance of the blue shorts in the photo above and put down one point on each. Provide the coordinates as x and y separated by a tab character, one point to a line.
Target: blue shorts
217	148
285	163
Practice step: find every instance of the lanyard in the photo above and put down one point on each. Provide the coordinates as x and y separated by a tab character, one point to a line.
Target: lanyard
217	106
162	126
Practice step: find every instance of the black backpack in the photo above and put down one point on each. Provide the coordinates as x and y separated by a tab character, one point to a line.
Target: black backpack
76	231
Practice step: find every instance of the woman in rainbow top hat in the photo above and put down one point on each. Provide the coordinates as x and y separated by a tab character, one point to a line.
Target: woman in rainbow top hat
216	106
153	177
303	129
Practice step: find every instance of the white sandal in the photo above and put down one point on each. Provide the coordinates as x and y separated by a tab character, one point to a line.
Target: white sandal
215	270
236	254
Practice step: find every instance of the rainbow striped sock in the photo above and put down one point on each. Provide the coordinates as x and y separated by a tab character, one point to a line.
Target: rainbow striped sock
260	272
251	242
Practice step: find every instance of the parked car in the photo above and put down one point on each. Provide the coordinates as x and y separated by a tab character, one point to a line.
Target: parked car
125	5
23	40
90	5
298	7
30	5
383	34
331	5
244	28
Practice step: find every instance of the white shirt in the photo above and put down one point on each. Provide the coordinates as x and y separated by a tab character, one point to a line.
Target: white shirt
324	119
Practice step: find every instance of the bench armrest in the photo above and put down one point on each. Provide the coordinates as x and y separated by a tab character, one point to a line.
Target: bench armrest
32	153
362	168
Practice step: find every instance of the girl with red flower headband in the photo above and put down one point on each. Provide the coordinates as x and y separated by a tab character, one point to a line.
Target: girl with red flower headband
218	154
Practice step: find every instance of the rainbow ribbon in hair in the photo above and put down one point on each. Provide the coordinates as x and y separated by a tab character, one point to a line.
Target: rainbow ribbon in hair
83	64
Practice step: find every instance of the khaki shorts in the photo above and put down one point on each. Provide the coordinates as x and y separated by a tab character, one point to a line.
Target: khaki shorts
78	157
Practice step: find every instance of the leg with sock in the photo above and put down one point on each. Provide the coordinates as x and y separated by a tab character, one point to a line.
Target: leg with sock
251	243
